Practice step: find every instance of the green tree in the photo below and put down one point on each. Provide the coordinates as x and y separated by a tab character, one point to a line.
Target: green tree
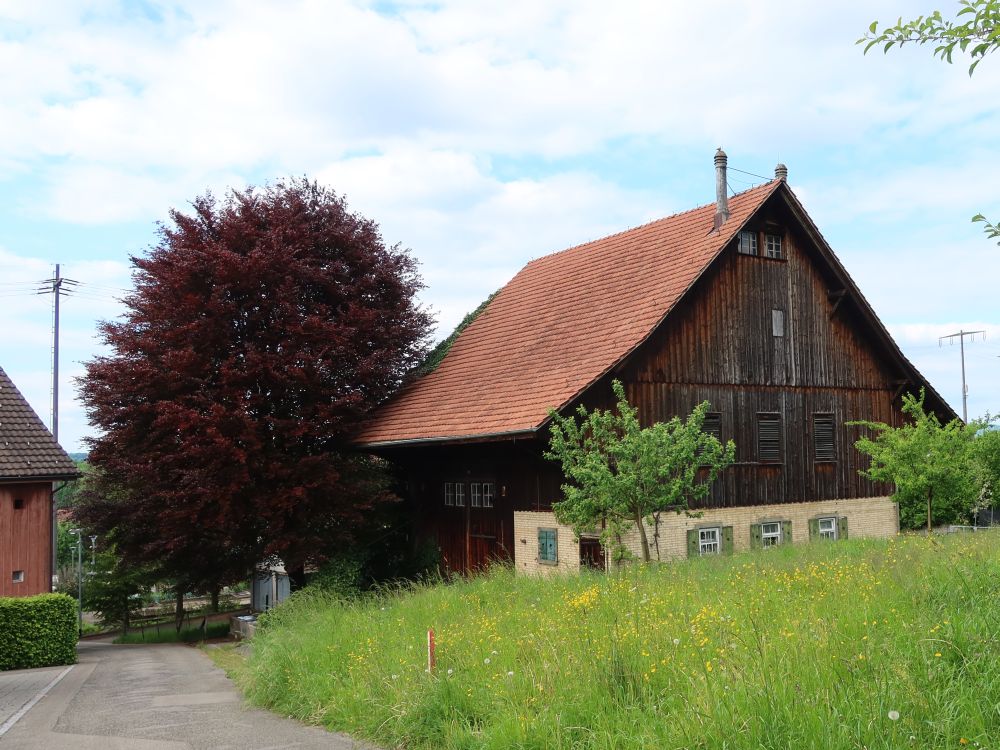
620	474
114	589
986	458
975	31
931	465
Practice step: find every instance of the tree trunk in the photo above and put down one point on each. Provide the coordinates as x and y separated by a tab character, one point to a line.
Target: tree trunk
179	611
641	525
930	494
215	598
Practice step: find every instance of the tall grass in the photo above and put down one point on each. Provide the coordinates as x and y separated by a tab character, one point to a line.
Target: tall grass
856	644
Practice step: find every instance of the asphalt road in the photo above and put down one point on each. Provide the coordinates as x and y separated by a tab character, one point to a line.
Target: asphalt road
143	697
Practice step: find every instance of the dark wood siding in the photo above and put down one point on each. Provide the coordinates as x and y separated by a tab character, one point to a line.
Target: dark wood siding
25	538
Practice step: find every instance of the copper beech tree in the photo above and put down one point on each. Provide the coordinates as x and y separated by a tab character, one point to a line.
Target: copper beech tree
262	328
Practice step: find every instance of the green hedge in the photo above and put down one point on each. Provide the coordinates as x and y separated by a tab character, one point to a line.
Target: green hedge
37	631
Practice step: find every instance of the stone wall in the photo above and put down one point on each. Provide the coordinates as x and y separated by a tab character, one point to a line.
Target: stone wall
866	517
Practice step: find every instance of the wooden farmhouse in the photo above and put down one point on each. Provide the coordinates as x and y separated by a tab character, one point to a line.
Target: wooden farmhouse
741	303
30	461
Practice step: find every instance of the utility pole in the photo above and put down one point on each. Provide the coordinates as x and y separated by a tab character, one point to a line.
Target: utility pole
965	389
54	286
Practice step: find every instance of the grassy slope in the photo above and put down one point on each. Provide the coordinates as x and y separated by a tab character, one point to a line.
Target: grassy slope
816	646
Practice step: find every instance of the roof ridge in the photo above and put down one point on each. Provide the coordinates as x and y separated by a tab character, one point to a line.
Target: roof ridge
643	226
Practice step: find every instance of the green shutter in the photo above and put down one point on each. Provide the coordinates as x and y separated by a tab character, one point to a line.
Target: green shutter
813	528
756	536
727	540
842	527
692	542
786	532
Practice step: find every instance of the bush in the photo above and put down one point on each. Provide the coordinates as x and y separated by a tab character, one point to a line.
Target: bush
170	635
37	631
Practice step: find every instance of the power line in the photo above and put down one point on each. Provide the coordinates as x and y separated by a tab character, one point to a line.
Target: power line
965	389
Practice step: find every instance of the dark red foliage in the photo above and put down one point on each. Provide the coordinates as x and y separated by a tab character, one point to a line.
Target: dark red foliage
260	330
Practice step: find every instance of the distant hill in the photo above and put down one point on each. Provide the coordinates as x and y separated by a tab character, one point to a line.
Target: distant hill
78	456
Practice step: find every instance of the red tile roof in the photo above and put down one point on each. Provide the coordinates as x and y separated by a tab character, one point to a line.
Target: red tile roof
27	449
558	326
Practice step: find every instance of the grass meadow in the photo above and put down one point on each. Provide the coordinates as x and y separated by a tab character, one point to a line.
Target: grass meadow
852	644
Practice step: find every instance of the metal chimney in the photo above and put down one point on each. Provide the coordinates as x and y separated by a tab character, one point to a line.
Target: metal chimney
781	172
721	186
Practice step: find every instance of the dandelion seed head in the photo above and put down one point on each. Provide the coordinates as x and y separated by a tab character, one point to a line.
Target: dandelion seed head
894	715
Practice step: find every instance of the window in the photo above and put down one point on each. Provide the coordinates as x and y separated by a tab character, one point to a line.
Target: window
748	243
713	425
547	550
823	438
770	534
828	528
477	495
18	503
768	438
449	493
772	246
777	323
459	495
489	492
709	541
18	576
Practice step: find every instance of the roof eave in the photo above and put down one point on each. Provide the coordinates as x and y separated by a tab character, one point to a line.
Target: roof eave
448	439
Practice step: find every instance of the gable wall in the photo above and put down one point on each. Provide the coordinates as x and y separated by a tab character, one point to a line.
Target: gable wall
718	345
25	538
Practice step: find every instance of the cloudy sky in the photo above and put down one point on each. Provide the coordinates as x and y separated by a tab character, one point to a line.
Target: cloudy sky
483	134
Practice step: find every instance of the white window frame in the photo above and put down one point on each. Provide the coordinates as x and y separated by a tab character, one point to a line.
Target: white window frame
770	537
17	576
459	494
828	533
476	495
746	243
449	494
489	493
707	545
772	246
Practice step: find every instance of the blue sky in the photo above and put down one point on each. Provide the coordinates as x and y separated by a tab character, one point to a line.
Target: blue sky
483	134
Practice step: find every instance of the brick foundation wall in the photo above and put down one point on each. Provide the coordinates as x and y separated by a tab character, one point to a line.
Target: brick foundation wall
866	517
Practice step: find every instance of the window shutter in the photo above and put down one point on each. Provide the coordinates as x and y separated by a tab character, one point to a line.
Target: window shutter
786	532
542	546
813	528
727	540
713	425
842	527
756	536
692	542
823	438
769	438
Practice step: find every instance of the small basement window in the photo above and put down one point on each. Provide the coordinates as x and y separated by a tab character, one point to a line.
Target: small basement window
547	548
18	503
772	246
747	243
770	534
18	576
710	541
828	528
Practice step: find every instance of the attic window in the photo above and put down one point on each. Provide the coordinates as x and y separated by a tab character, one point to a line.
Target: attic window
772	246
747	243
18	503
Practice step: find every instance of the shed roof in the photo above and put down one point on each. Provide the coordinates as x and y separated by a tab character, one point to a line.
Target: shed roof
560	324
27	449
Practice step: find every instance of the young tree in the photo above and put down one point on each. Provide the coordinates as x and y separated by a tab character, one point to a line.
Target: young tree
621	474
261	330
930	464
986	458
